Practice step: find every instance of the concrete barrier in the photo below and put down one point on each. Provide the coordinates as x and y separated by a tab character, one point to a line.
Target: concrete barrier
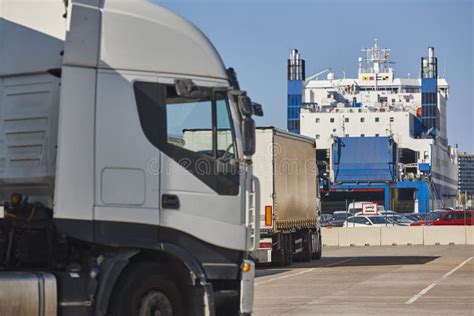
330	236
398	235
401	235
444	235
469	235
359	236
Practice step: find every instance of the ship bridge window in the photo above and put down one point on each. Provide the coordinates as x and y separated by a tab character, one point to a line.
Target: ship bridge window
412	90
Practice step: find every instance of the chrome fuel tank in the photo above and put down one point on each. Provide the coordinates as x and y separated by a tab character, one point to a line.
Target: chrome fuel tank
25	293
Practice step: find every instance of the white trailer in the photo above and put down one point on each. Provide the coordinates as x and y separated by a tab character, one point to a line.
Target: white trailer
105	207
285	165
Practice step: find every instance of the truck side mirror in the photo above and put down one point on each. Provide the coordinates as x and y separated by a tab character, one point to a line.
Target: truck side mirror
326	185
245	105
257	109
248	136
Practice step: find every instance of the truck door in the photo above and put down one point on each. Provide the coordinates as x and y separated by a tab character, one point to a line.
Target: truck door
200	191
127	165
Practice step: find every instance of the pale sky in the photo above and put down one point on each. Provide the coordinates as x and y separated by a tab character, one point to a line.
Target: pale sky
255	37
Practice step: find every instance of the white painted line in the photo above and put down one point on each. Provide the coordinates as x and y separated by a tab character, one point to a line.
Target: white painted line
432	285
304	271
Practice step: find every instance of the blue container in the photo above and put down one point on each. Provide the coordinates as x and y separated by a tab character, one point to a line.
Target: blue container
364	159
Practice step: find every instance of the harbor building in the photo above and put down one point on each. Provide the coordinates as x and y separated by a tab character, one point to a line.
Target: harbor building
466	177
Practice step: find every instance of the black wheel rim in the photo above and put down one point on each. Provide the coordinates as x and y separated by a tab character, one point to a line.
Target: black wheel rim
155	303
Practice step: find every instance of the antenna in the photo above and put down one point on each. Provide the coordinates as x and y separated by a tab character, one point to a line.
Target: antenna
376	60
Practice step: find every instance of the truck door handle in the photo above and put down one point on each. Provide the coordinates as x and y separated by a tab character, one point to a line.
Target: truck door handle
170	201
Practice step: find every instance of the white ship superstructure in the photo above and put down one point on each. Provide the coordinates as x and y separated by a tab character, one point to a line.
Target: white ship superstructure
411	111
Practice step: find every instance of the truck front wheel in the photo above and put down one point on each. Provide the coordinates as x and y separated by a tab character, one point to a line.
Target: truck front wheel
145	290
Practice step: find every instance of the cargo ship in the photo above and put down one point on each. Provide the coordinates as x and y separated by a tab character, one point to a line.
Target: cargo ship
379	137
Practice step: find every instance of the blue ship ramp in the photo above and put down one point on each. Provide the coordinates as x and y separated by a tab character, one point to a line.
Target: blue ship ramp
364	160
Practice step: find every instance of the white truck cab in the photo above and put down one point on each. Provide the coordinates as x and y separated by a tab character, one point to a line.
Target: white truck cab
126	213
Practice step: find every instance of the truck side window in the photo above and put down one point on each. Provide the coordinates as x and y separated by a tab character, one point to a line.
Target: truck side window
189	122
186	130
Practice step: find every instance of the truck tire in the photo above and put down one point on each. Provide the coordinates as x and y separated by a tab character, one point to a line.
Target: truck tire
318	254
279	256
144	289
307	247
289	249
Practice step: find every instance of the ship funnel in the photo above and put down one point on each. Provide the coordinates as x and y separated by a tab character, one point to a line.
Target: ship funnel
296	66
296	77
429	88
429	65
431	54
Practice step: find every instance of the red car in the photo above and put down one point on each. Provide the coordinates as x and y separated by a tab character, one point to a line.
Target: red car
455	218
447	218
429	218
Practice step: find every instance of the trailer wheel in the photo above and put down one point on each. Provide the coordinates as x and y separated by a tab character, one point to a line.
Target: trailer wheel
289	249
145	290
318	254
307	247
279	257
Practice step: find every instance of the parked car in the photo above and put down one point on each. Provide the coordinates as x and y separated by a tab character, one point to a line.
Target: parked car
366	221
414	217
455	218
379	212
429	218
383	212
398	219
338	218
325	219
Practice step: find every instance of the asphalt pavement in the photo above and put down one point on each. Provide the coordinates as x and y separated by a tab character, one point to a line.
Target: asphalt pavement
392	280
